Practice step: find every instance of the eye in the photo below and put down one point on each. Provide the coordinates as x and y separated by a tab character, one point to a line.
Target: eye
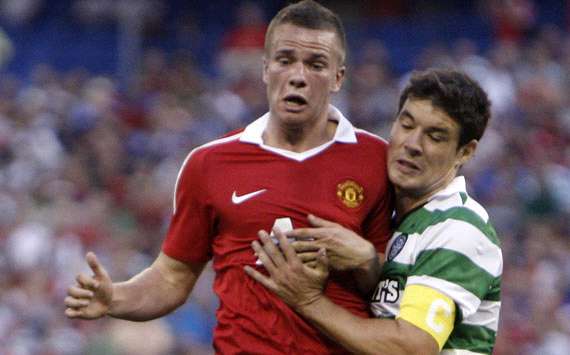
318	66
406	125
283	60
437	138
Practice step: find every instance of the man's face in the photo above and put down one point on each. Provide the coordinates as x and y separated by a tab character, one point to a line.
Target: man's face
423	156
301	69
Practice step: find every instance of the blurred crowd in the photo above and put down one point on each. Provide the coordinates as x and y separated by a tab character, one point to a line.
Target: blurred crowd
86	164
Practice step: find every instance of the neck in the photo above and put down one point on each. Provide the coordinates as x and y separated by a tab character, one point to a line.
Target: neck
299	137
406	203
407	200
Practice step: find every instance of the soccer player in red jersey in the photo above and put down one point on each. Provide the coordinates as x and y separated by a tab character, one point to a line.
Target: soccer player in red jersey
303	157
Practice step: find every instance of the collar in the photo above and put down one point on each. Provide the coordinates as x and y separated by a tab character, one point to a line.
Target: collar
457	185
345	133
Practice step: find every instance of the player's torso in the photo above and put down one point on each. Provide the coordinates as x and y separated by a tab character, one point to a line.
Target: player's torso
249	191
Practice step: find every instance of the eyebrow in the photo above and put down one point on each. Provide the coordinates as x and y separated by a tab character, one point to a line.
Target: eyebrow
432	129
284	52
318	56
290	52
407	114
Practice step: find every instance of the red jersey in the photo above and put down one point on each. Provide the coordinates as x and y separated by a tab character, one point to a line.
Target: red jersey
231	188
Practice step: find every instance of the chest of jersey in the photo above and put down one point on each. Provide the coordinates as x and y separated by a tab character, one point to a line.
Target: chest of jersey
251	190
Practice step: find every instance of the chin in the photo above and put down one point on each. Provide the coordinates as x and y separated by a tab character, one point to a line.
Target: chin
406	184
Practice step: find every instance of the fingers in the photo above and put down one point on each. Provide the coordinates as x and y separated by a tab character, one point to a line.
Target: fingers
73	313
270	249
94	264
87	282
305	246
72	302
78	298
79	292
307	257
320	267
304	233
322	261
259	277
311	264
286	247
319	222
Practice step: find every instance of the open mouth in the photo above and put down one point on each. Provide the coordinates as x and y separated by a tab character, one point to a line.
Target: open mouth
295	100
407	165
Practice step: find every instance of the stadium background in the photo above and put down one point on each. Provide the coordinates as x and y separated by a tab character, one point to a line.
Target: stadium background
101	100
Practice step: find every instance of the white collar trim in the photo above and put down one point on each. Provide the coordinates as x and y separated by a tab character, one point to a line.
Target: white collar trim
457	185
345	133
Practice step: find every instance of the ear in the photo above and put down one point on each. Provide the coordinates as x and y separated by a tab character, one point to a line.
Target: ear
339	79
466	152
265	68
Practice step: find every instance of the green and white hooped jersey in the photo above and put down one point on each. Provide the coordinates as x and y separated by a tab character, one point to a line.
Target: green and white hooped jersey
448	245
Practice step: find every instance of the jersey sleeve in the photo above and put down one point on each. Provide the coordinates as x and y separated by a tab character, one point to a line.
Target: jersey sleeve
459	260
189	236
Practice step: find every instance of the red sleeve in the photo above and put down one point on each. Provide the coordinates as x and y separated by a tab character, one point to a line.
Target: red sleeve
189	236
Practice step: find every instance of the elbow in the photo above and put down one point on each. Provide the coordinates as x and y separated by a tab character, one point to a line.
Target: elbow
412	340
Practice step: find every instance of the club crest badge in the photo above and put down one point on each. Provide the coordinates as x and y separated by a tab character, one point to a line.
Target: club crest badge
397	246
350	193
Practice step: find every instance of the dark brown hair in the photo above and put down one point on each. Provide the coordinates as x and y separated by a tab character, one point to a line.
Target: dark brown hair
456	94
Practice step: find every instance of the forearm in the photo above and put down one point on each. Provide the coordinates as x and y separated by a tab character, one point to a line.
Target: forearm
368	275
360	335
144	297
154	292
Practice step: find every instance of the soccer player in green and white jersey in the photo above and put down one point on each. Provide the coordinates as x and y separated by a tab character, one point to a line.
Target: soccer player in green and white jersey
438	289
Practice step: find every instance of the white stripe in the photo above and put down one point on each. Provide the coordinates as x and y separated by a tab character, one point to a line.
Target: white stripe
487	315
477	208
458	352
444	204
462	237
209	144
468	302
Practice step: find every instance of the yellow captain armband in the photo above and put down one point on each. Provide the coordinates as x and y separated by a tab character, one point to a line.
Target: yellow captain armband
429	310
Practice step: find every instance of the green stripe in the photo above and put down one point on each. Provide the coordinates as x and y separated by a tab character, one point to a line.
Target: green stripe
471	337
494	290
396	271
454	267
420	220
463	197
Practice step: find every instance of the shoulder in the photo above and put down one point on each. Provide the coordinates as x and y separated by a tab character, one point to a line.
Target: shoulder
454	208
367	137
462	229
371	145
228	141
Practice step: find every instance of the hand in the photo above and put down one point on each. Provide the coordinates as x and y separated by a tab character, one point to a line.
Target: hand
91	297
297	284
346	250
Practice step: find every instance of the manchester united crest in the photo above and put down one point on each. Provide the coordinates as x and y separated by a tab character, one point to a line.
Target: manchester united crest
350	193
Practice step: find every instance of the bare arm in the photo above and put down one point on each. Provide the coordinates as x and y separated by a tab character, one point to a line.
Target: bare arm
152	293
367	336
301	287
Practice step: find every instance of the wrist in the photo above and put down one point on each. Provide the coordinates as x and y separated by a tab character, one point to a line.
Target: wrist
112	303
370	259
310	306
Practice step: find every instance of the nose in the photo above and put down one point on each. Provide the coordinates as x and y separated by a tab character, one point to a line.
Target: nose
412	143
298	76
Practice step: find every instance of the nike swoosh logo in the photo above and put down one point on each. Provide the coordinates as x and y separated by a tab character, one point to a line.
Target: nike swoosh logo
239	199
